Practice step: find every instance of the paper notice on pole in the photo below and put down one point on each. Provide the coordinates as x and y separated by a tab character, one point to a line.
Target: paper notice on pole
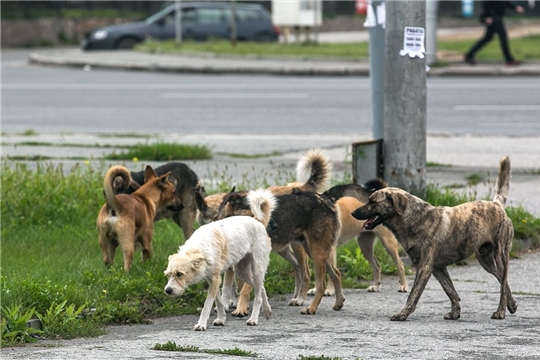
371	21
413	42
381	15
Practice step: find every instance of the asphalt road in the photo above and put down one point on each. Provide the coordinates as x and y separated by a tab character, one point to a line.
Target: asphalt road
57	100
361	330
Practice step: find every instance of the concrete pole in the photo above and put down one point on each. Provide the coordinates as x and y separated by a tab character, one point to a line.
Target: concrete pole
178	21
431	30
234	36
376	74
404	101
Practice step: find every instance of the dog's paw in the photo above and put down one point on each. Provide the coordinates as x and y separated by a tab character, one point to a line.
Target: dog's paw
452	315
307	311
239	313
512	306
311	292
374	288
296	302
199	327
219	322
498	315
403	288
399	317
337	307
251	322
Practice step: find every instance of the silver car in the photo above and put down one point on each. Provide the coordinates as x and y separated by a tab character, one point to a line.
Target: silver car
200	21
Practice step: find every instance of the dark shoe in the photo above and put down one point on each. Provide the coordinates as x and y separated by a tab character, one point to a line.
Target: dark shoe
513	63
469	60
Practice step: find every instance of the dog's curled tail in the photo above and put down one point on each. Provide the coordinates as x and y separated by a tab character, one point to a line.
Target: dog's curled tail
315	166
261	203
108	190
503	181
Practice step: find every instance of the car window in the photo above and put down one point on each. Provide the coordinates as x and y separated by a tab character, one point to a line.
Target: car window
245	16
188	16
208	16
169	18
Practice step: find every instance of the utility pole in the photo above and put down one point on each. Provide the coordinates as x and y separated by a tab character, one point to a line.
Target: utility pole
431	30
234	35
404	145
178	21
376	24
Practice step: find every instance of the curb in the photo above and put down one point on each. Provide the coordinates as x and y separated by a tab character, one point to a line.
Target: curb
287	67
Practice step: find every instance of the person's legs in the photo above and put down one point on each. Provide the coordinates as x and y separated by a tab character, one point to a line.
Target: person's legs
490	30
499	28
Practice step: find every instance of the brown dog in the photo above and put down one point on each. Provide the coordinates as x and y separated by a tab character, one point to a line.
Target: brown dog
435	237
127	220
187	184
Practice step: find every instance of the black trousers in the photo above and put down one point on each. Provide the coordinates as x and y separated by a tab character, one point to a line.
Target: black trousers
496	27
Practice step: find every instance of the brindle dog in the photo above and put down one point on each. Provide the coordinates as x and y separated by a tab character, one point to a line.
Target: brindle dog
435	237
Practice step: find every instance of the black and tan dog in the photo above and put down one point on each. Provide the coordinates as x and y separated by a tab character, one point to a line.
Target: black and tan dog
348	198
307	220
435	237
187	185
126	220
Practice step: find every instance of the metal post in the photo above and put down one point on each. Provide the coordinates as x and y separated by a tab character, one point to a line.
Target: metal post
178	21
376	73
431	31
234	36
404	101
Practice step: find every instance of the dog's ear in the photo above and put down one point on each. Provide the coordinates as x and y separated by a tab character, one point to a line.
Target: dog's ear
165	179
399	202
196	263
149	174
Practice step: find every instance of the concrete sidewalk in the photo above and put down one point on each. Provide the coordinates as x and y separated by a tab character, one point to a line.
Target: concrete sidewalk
230	64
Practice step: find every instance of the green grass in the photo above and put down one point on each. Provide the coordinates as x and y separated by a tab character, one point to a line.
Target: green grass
350	51
171	346
526	48
52	264
162	151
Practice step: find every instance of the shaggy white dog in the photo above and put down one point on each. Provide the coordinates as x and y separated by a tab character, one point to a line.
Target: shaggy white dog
238	242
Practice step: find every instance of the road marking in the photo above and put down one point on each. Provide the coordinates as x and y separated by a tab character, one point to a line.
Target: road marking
497	107
234	96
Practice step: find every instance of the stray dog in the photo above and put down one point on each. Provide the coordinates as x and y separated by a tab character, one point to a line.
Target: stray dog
314	164
129	219
350	197
435	237
187	184
307	220
240	242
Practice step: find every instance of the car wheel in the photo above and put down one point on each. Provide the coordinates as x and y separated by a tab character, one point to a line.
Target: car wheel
126	43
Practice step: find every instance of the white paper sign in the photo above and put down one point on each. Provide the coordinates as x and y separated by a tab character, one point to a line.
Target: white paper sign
413	42
381	15
371	21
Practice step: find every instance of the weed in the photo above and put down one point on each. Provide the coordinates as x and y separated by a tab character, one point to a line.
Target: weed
436	164
14	325
30	132
172	346
162	151
321	357
475	179
61	321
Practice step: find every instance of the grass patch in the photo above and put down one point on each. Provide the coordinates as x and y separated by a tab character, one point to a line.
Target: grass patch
49	144
436	164
124	135
475	179
525	48
252	156
162	151
171	346
223	47
30	132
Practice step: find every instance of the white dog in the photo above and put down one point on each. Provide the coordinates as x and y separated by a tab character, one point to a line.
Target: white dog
238	242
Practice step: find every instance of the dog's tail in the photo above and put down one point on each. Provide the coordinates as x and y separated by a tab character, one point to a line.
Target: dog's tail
315	166
503	181
112	175
261	203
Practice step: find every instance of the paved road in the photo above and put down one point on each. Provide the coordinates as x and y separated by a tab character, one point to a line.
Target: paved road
362	329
